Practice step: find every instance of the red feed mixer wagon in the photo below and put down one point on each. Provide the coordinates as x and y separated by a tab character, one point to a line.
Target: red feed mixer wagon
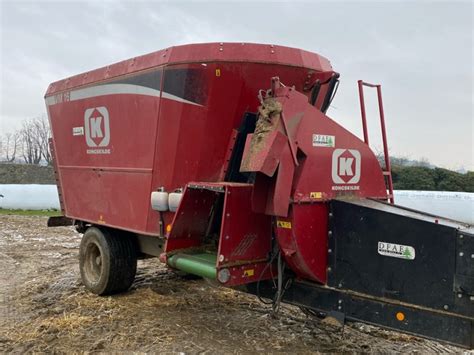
220	159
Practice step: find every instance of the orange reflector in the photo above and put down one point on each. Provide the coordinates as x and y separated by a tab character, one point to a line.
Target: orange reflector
400	316
168	228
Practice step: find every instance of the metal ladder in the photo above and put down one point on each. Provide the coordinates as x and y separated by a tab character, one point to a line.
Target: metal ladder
387	171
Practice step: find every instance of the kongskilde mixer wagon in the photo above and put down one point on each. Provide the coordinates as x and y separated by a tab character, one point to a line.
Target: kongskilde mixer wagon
220	159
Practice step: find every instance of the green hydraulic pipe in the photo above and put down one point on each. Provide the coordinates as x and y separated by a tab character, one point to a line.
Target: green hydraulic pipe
203	264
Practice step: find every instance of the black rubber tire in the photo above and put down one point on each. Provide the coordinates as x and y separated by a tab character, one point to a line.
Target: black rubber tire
108	263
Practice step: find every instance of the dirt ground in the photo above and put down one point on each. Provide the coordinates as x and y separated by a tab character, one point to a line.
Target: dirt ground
44	307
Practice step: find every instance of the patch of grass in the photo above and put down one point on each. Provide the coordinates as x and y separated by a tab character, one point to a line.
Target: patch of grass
48	213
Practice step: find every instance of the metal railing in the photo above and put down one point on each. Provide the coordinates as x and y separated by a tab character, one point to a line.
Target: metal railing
387	171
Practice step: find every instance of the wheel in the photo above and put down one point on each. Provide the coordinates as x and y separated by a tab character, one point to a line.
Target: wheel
108	263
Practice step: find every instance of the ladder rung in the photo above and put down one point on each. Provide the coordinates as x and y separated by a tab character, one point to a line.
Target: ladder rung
386	173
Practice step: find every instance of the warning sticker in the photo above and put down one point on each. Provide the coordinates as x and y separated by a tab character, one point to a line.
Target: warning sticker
284	224
396	250
249	272
323	140
316	195
77	131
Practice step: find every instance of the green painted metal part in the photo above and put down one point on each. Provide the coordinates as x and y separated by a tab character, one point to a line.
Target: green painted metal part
200	264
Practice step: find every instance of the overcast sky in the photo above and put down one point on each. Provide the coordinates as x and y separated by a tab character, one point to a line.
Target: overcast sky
421	52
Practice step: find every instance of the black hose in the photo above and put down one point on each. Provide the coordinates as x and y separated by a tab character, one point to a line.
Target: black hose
272	258
315	92
329	93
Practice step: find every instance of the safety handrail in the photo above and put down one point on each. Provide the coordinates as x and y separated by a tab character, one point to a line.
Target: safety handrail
388	169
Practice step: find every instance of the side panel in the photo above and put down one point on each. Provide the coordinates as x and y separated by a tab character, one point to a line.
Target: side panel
104	137
398	258
245	236
190	223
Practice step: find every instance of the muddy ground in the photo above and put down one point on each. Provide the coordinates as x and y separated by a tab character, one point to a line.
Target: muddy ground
44	307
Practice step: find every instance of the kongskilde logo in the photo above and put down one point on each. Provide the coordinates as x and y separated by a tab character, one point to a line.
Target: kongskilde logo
96	123
346	168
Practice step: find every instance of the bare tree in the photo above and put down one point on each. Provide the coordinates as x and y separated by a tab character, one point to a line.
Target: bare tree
30	142
11	145
31	150
43	133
